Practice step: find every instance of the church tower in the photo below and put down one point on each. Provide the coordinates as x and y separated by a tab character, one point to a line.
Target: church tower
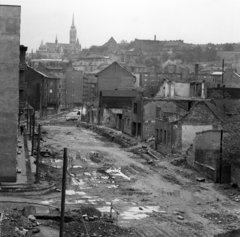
73	33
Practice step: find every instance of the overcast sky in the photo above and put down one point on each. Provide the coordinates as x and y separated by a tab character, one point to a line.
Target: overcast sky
194	21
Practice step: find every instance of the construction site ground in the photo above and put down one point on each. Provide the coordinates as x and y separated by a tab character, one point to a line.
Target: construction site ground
150	196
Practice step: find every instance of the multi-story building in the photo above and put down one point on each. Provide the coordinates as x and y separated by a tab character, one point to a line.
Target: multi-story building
42	92
73	88
9	90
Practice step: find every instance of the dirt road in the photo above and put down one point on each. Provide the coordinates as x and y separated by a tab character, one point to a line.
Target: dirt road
159	198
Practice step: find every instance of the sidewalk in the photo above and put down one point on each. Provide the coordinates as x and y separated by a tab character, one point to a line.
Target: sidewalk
21	162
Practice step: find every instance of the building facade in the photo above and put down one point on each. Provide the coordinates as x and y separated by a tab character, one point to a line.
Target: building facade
9	90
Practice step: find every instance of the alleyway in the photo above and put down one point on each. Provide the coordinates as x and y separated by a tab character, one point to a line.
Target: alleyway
159	198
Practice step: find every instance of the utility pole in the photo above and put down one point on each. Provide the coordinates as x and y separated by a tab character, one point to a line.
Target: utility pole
27	111
38	154
33	132
63	191
220	160
222	70
30	124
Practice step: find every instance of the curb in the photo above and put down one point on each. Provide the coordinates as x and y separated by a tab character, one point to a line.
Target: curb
27	189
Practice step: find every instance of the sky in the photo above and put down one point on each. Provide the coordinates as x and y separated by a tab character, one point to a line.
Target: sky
194	21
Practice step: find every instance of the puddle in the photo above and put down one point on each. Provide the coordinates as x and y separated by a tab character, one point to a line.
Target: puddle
47	201
132	212
72	192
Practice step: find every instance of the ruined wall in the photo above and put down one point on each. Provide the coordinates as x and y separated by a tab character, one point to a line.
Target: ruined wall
207	155
189	133
9	90
235	174
109	118
182	89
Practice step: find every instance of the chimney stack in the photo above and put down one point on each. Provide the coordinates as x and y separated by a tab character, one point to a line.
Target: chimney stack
155	38
196	68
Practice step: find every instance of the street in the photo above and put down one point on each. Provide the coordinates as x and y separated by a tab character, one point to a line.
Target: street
159	198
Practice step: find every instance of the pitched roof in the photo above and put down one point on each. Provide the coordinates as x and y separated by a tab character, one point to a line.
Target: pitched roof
211	105
115	64
118	93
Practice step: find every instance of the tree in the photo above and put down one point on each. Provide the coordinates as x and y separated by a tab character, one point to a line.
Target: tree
228	47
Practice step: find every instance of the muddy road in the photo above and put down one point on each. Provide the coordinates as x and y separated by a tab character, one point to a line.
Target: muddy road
159	198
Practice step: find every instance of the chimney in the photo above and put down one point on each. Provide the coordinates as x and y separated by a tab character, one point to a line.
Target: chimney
155	38
196	68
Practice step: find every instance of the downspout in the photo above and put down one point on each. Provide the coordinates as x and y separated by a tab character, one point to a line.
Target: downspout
41	97
142	111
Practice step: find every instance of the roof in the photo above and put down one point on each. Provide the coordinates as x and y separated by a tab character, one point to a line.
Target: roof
119	93
216	110
116	65
217	73
212	106
44	74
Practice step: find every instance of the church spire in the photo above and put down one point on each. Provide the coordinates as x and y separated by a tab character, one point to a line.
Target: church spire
73	21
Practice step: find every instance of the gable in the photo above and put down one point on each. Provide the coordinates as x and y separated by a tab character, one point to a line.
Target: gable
200	114
114	70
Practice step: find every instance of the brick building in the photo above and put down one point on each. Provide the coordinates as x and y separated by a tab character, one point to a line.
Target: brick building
177	133
42	92
115	77
73	88
9	90
111	105
112	78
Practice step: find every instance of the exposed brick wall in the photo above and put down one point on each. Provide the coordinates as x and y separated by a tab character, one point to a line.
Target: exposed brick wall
149	114
9	90
201	115
235	174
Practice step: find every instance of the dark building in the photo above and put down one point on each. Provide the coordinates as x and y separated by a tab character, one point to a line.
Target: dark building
73	88
42	92
22	75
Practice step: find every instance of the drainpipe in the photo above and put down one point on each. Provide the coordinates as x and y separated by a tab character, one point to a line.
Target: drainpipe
142	111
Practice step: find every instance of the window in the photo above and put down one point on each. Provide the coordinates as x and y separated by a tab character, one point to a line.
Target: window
135	108
50	91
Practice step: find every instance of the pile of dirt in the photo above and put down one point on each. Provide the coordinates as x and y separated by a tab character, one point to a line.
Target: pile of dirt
95	228
88	210
112	135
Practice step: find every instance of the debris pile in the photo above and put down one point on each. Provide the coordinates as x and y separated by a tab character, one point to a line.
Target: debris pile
112	135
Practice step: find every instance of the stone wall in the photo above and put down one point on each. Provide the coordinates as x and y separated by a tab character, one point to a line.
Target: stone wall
9	90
